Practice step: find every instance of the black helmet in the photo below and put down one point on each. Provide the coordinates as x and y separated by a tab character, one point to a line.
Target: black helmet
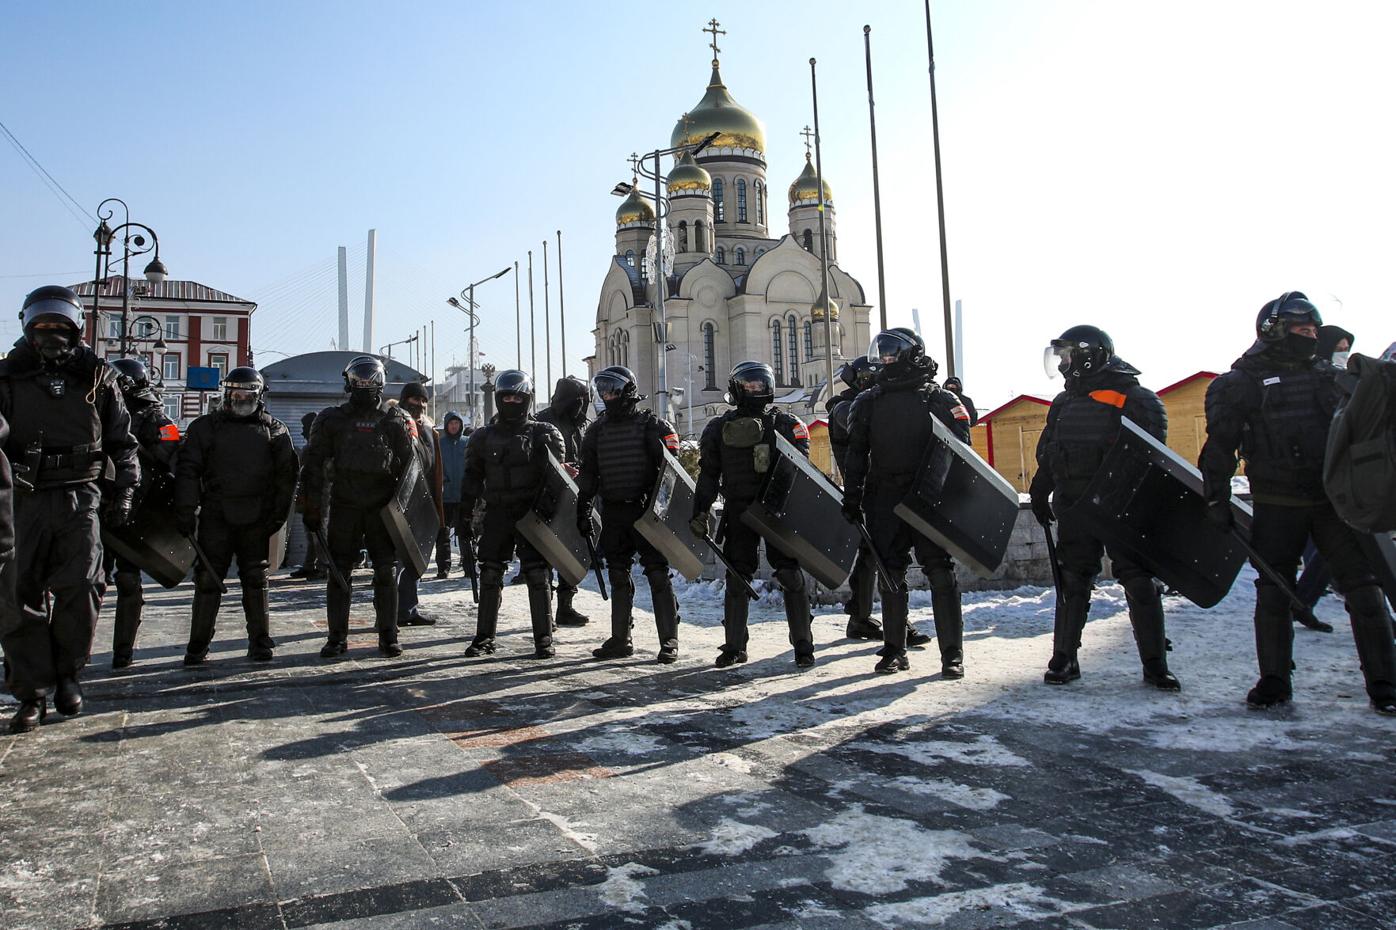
131	376
243	390
1274	319
365	371
752	385
512	383
617	379
52	303
896	345
858	373
1079	352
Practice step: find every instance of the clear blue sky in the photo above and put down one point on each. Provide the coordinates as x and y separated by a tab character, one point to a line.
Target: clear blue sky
1160	169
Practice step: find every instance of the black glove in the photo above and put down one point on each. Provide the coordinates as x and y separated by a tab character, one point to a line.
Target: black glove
465	525
853	508
1042	510
121	506
185	522
1219	513
699	524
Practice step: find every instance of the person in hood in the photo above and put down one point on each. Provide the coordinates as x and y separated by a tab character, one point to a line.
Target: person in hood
68	421
857	376
1273	408
1082	423
956	386
451	445
568	412
414	399
889	430
1334	346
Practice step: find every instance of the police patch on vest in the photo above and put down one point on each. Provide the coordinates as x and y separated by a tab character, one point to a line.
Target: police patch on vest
743	432
56	387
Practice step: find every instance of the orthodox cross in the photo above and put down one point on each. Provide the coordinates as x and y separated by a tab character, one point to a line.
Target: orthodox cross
712	28
808	134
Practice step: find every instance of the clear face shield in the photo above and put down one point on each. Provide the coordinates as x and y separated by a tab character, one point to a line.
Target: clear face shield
606	387
885	348
241	401
1056	359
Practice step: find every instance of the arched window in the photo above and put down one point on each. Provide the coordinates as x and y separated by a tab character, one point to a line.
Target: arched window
645	267
700	237
741	200
721	255
760	191
809	241
809	340
759	253
683	235
792	339
777	353
719	211
741	256
623	348
630	257
710	355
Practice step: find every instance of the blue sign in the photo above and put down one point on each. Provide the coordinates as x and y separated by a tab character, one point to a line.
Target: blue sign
201	379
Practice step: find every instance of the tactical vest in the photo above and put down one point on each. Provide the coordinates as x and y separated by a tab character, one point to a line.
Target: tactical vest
365	451
239	470
747	447
1085	428
55	429
626	468
1284	440
899	429
512	469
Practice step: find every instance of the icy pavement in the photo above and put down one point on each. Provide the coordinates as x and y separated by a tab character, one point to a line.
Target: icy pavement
432	790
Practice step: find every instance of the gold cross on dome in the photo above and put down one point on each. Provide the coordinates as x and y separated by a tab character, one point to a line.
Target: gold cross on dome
712	28
808	134
634	163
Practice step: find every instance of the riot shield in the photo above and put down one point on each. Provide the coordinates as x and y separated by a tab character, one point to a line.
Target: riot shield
412	518
276	546
150	539
665	522
960	503
1146	501
555	536
800	512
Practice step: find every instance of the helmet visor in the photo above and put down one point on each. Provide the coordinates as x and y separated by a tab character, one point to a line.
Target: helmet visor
52	311
756	383
608	384
365	376
885	348
1056	358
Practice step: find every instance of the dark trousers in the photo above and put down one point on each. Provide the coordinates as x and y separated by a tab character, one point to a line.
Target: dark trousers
741	545
222	542
495	548
1314	581
443	536
130	602
58	556
1279	534
351	529
896	542
620	544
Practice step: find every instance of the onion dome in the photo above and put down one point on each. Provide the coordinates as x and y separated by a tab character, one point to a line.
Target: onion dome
689	178
717	112
634	209
805	189
816	310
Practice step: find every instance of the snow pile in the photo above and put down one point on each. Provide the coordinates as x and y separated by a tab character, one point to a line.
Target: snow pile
622	887
732	838
980	749
879	855
1188	790
621	740
966	796
1019	900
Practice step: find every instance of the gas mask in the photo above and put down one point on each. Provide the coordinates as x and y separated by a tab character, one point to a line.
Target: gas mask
366	398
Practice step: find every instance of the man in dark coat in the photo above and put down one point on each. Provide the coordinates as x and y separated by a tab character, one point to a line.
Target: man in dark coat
956	386
1274	407
568	412
1082	423
413	400
67	421
237	469
857	376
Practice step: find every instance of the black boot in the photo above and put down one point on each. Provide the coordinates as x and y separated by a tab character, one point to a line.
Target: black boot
337	611
129	601
1146	617
735	606
567	615
203	617
861	625
255	609
487	611
540	612
666	613
385	608
1274	647
891	661
949	620
620	644
894	627
1306	619
1371	627
1073	605
797	615
29	715
67	700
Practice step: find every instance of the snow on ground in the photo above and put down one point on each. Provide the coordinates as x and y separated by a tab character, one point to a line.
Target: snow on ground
1019	901
1188	790
878	855
623	888
732	838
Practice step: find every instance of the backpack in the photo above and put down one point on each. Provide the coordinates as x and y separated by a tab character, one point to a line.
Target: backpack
1359	467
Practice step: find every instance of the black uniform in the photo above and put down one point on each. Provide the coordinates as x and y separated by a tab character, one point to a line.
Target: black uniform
240	472
368	449
889	430
568	412
621	456
732	470
504	464
1082	424
863	580
158	437
66	422
311	566
1275	409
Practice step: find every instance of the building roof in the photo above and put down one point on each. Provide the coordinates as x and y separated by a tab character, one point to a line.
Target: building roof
1209	375
323	372
1012	403
191	291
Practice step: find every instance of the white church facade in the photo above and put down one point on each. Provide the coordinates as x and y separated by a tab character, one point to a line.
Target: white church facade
737	290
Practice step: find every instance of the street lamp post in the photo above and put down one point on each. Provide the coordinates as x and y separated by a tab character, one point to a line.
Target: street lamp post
132	243
469	310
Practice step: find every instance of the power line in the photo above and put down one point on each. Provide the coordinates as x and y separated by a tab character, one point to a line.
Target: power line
49	179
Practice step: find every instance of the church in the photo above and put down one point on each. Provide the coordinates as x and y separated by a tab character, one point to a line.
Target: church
737	291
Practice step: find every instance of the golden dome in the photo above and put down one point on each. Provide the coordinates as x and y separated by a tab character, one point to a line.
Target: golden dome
805	189
634	209
688	177
718	112
816	310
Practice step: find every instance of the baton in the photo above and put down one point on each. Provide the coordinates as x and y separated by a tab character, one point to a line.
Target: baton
330	567
596	567
207	565
1268	570
731	570
468	557
882	572
1052	555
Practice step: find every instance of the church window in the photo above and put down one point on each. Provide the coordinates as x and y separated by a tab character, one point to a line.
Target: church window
792	334
760	252
760	192
809	340
645	266
809	240
777	352
683	235
741	256
719	211
721	255
710	355
630	257
741	200
700	237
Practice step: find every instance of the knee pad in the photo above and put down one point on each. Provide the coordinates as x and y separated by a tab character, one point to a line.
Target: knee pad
128	584
384	574
942	579
536	578
790	579
1075	584
205	582
620	578
491	575
658	578
253	579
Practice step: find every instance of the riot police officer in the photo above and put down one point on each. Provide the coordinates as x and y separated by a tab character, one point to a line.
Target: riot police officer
567	410
734	455
369	446
889	431
1274	406
67	420
857	375
238	469
504	468
1082	423
622	454
310	568
158	437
